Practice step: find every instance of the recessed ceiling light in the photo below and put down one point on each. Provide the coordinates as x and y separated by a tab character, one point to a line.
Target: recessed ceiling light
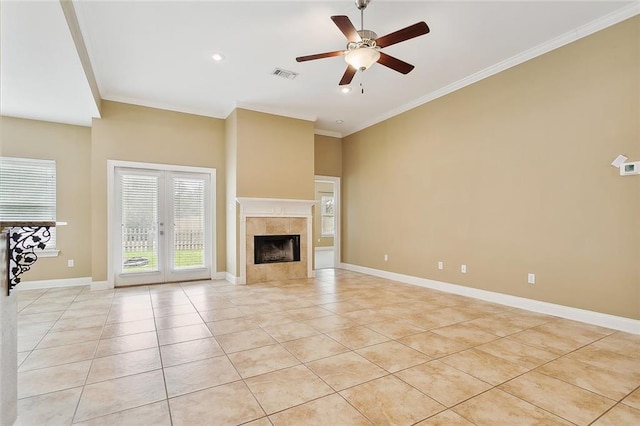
345	89
339	121
217	57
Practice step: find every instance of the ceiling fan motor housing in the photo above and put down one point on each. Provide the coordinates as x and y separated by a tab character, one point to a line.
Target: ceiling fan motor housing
368	40
362	4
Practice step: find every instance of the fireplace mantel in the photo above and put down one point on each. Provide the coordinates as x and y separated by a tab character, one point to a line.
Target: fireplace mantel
274	207
269	208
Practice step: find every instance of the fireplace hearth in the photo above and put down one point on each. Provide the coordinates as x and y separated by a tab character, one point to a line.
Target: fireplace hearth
276	248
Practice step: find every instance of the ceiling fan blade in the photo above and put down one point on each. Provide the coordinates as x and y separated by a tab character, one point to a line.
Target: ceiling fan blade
319	56
408	33
348	75
344	23
395	63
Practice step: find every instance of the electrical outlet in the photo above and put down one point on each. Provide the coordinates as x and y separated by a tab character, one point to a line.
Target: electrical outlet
531	278
463	269
70	263
386	257
440	265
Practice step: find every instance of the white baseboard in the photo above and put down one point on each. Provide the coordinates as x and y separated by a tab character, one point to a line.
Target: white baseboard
597	318
219	275
104	285
100	285
64	282
233	279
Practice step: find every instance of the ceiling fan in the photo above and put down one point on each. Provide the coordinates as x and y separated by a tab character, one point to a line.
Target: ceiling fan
363	47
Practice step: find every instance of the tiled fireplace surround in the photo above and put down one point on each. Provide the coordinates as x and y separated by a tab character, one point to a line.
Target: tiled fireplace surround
271	216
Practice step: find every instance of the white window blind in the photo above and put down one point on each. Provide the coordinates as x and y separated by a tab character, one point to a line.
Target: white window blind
188	214
140	233
28	191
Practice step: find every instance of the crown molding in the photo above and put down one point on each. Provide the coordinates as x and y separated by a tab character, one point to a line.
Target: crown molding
283	112
539	50
329	133
162	106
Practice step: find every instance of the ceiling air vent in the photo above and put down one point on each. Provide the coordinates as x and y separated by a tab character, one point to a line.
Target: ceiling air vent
290	75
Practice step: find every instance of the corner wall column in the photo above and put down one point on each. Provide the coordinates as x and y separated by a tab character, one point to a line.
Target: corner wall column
8	340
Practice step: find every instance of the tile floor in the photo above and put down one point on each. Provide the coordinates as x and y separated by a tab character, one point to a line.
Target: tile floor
341	349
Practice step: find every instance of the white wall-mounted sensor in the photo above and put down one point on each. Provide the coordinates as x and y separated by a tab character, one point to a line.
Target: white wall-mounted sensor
628	169
619	161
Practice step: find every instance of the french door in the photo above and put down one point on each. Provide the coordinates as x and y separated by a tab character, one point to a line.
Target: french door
162	226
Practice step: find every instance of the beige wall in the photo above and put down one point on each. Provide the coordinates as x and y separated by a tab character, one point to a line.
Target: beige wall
70	147
133	133
275	156
328	156
509	176
322	188
268	156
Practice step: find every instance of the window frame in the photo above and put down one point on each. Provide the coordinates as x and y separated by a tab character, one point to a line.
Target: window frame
327	209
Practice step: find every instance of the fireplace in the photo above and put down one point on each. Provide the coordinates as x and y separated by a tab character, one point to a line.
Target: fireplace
276	248
290	220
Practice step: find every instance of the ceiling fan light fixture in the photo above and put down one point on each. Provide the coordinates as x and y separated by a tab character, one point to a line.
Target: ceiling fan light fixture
345	89
362	58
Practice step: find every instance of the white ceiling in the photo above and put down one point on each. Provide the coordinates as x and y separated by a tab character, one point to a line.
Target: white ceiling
159	54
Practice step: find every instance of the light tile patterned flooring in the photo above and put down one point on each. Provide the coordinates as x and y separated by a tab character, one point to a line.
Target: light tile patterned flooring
341	349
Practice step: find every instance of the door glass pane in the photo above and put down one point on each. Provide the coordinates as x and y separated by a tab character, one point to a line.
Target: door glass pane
188	223
327	211
139	223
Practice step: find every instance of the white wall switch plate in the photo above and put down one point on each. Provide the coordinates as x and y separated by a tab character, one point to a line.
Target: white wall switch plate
531	278
440	265
386	257
463	269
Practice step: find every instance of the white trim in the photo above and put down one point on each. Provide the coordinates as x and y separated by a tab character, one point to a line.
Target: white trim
337	196
132	100
101	285
591	317
329	133
231	278
160	166
539	50
63	282
48	253
112	165
219	275
283	112
324	248
273	207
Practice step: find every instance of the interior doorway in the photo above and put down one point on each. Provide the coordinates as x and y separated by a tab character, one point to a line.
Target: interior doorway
161	224
327	222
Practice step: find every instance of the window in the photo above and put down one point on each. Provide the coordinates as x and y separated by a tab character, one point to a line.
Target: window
327	213
28	191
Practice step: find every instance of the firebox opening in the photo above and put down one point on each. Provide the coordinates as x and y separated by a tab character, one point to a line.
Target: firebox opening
276	248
